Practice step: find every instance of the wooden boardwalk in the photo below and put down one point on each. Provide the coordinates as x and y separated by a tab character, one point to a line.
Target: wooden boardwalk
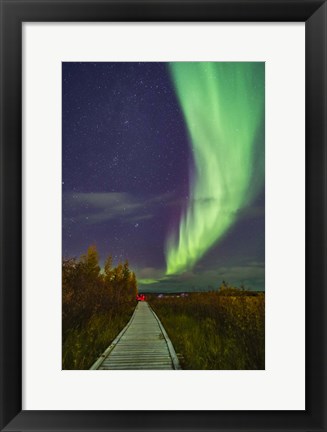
142	344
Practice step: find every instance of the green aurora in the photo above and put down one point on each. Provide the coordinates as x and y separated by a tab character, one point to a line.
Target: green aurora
223	107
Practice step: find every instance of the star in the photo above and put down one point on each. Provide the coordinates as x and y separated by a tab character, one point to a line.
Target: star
128	157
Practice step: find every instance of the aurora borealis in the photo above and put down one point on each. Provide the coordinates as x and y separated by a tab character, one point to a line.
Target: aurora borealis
163	165
223	106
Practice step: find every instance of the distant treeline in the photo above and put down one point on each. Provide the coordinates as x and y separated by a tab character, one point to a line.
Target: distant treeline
224	290
95	306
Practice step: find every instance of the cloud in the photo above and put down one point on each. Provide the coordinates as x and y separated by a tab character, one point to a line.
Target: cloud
150	273
250	274
147	281
99	207
248	270
150	276
251	212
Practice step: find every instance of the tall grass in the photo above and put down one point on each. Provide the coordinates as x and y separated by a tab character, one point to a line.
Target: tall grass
84	343
95	307
217	330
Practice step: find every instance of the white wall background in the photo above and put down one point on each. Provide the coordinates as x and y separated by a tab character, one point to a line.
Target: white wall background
281	385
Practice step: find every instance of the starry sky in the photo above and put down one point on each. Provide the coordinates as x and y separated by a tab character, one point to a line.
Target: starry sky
163	165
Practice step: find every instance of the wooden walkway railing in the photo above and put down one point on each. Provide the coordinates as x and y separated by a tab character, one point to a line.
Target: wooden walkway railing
142	344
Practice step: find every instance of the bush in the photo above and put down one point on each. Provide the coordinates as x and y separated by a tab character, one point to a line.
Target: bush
95	306
216	330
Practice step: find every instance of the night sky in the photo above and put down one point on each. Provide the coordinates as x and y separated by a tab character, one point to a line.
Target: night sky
163	165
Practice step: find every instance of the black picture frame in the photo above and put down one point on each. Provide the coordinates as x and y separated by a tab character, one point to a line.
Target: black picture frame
13	14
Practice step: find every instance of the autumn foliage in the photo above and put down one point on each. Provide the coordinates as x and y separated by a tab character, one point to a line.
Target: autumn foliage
95	306
223	329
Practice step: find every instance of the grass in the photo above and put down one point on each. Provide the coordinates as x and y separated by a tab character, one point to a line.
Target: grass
95	306
84	343
215	330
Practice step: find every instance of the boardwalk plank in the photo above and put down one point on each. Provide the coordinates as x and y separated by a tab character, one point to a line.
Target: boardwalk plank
143	344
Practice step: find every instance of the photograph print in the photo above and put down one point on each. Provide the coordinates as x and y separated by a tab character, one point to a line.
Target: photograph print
163	216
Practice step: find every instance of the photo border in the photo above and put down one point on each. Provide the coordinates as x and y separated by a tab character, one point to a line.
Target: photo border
13	14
